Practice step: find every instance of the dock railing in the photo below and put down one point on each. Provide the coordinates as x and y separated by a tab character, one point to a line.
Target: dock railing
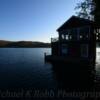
54	39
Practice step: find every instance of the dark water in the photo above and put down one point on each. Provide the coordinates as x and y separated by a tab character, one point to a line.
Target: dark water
25	68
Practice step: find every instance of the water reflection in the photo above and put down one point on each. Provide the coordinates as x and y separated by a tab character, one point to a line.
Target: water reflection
74	77
97	69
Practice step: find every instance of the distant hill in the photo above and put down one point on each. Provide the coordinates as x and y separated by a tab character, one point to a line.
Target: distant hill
23	44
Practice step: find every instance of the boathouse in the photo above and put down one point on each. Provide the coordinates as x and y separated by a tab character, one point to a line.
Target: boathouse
76	42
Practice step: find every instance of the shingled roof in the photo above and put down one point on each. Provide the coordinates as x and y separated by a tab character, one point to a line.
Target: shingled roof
75	21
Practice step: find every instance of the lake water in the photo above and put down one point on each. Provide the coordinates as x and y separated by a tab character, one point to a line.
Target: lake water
25	68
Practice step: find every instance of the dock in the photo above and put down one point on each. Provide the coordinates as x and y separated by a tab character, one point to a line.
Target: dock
67	60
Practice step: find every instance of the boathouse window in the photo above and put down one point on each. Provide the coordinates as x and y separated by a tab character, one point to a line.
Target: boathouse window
64	49
70	37
80	36
62	36
97	30
74	33
84	50
67	37
84	32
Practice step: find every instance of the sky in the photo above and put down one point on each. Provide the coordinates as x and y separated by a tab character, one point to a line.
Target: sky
33	20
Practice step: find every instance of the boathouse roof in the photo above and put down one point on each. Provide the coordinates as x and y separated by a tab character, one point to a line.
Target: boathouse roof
75	21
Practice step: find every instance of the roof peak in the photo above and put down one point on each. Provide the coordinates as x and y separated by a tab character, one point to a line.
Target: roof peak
75	21
73	16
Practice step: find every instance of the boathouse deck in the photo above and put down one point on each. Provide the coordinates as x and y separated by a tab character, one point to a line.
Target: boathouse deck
59	59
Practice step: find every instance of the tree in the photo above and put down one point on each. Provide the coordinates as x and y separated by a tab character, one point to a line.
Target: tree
85	8
89	9
96	12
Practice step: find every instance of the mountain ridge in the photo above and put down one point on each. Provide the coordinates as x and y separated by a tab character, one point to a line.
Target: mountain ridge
23	44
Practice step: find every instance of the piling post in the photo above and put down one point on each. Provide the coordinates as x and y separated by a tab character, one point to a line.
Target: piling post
45	56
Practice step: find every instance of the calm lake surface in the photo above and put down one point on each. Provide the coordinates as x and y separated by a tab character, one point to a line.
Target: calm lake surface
25	67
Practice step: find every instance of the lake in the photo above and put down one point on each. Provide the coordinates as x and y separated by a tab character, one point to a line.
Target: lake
26	68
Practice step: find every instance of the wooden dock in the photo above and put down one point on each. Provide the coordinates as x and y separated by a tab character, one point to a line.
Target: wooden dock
59	59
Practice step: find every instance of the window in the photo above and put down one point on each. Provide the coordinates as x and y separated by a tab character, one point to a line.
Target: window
70	37
62	36
64	49
74	33
66	37
97	33
84	50
97	38
84	32
80	36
